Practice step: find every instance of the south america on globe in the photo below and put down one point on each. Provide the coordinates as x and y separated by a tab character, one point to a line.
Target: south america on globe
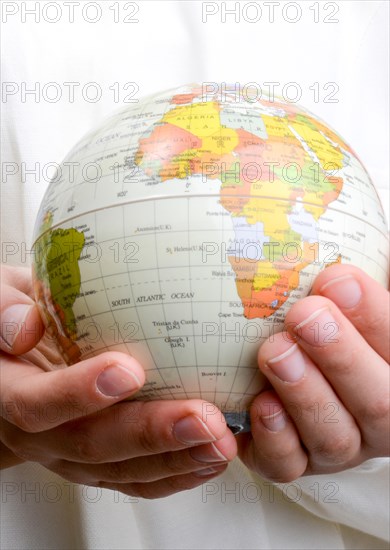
183	228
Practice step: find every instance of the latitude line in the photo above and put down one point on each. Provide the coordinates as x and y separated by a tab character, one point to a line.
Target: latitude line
205	195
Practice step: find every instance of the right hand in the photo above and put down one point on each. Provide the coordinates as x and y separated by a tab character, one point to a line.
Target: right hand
73	421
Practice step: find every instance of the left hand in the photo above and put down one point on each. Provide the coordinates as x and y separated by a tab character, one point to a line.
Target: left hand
329	407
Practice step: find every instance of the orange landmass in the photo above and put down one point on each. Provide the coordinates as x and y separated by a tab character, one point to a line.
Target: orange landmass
258	303
330	196
233	204
180	99
338	261
297	192
164	143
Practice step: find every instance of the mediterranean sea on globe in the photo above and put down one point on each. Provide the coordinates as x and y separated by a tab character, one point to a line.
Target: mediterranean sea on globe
185	225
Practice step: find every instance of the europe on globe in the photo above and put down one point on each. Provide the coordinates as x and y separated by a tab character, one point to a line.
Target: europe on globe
184	226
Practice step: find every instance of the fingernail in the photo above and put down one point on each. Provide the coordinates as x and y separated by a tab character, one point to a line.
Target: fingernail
344	291
275	422
319	329
116	380
205	472
288	366
191	429
207	453
12	321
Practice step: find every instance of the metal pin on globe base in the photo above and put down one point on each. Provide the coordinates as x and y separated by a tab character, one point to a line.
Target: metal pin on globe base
238	422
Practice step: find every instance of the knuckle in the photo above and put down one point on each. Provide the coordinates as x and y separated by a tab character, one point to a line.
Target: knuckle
147	439
69	402
377	410
279	465
373	324
279	453
342	361
20	414
278	471
300	406
338	449
119	472
172	463
84	447
345	363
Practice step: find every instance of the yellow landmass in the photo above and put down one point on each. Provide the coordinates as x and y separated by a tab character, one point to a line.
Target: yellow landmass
265	276
63	274
329	156
277	127
269	211
313	209
202	120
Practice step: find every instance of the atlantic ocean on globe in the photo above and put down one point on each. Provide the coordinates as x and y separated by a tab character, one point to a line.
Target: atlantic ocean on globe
183	228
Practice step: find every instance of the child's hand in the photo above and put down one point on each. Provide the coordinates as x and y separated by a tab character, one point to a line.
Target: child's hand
71	419
330	372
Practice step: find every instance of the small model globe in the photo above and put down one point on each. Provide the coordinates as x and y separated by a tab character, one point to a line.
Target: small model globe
183	228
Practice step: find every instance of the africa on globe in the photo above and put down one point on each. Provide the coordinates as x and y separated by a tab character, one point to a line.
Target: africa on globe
183	228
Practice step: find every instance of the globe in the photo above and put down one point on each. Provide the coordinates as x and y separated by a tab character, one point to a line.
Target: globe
183	228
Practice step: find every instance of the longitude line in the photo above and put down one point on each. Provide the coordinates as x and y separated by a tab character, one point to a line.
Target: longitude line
89	311
189	280
162	303
132	295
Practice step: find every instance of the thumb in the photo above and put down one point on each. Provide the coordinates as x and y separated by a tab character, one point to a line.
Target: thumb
43	400
21	325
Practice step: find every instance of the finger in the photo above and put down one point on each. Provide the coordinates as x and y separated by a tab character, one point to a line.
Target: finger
357	373
362	300
125	430
36	401
44	353
165	487
150	468
21	323
18	277
274	451
326	428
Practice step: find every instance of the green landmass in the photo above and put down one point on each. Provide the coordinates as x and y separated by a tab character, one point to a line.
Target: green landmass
57	267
